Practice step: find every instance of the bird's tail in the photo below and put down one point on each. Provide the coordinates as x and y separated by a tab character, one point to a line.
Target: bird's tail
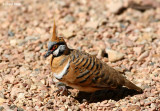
130	85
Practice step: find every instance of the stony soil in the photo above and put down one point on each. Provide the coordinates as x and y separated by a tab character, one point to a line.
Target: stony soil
124	34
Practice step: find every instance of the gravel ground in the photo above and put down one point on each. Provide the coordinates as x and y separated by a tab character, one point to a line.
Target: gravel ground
125	34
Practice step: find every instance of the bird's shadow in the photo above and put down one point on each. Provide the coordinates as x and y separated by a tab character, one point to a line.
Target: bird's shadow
102	95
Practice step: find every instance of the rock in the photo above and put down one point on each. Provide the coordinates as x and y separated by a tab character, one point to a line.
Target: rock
30	38
9	78
2	101
114	6
145	37
28	56
35	23
20	96
101	53
133	108
13	107
33	87
91	24
114	55
153	106
14	92
1	108
138	50
69	18
19	109
13	42
143	55
67	33
10	33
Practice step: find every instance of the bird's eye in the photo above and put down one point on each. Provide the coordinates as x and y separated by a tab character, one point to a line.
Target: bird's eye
54	47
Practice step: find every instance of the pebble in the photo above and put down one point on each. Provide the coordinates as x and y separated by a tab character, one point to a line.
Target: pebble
153	106
114	55
67	34
2	101
143	55
20	96
133	108
1	108
138	50
114	6
146	37
13	42
31	38
69	18
10	33
91	24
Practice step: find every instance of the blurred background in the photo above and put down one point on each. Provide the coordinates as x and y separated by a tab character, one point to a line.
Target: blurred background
123	33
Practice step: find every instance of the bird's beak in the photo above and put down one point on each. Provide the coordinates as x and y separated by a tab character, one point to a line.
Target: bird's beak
47	54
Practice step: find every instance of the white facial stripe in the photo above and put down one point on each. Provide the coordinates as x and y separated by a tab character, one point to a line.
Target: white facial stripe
60	49
63	72
56	52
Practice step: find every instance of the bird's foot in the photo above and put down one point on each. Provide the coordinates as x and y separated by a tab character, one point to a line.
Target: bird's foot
62	89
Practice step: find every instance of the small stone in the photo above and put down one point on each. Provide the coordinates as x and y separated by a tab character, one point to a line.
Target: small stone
137	50
145	37
20	96
69	18
30	38
143	55
33	87
67	33
114	55
82	106
133	108
35	23
1	108
153	106
12	107
91	24
9	78
13	42
101	53
10	33
2	101
115	6
19	109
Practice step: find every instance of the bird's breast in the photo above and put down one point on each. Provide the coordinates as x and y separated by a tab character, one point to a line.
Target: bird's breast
60	66
63	71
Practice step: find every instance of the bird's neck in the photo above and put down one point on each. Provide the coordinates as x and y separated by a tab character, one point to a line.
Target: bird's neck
59	60
67	51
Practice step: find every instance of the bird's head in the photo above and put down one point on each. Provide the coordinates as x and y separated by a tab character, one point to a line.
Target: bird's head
56	46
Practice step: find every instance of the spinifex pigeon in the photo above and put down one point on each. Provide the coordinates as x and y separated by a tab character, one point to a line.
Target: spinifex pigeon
81	70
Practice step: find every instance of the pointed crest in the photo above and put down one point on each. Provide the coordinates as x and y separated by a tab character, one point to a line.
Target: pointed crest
54	36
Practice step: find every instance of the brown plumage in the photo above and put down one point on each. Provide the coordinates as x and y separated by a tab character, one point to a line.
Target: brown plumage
83	71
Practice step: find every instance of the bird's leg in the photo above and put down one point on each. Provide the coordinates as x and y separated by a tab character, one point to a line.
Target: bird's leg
61	88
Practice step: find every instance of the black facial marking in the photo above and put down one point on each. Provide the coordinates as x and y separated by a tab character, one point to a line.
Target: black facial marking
51	44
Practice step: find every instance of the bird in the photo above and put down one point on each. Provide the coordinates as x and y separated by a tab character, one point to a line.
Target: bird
82	71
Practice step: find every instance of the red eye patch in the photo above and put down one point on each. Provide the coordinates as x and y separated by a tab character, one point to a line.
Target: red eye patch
53	48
